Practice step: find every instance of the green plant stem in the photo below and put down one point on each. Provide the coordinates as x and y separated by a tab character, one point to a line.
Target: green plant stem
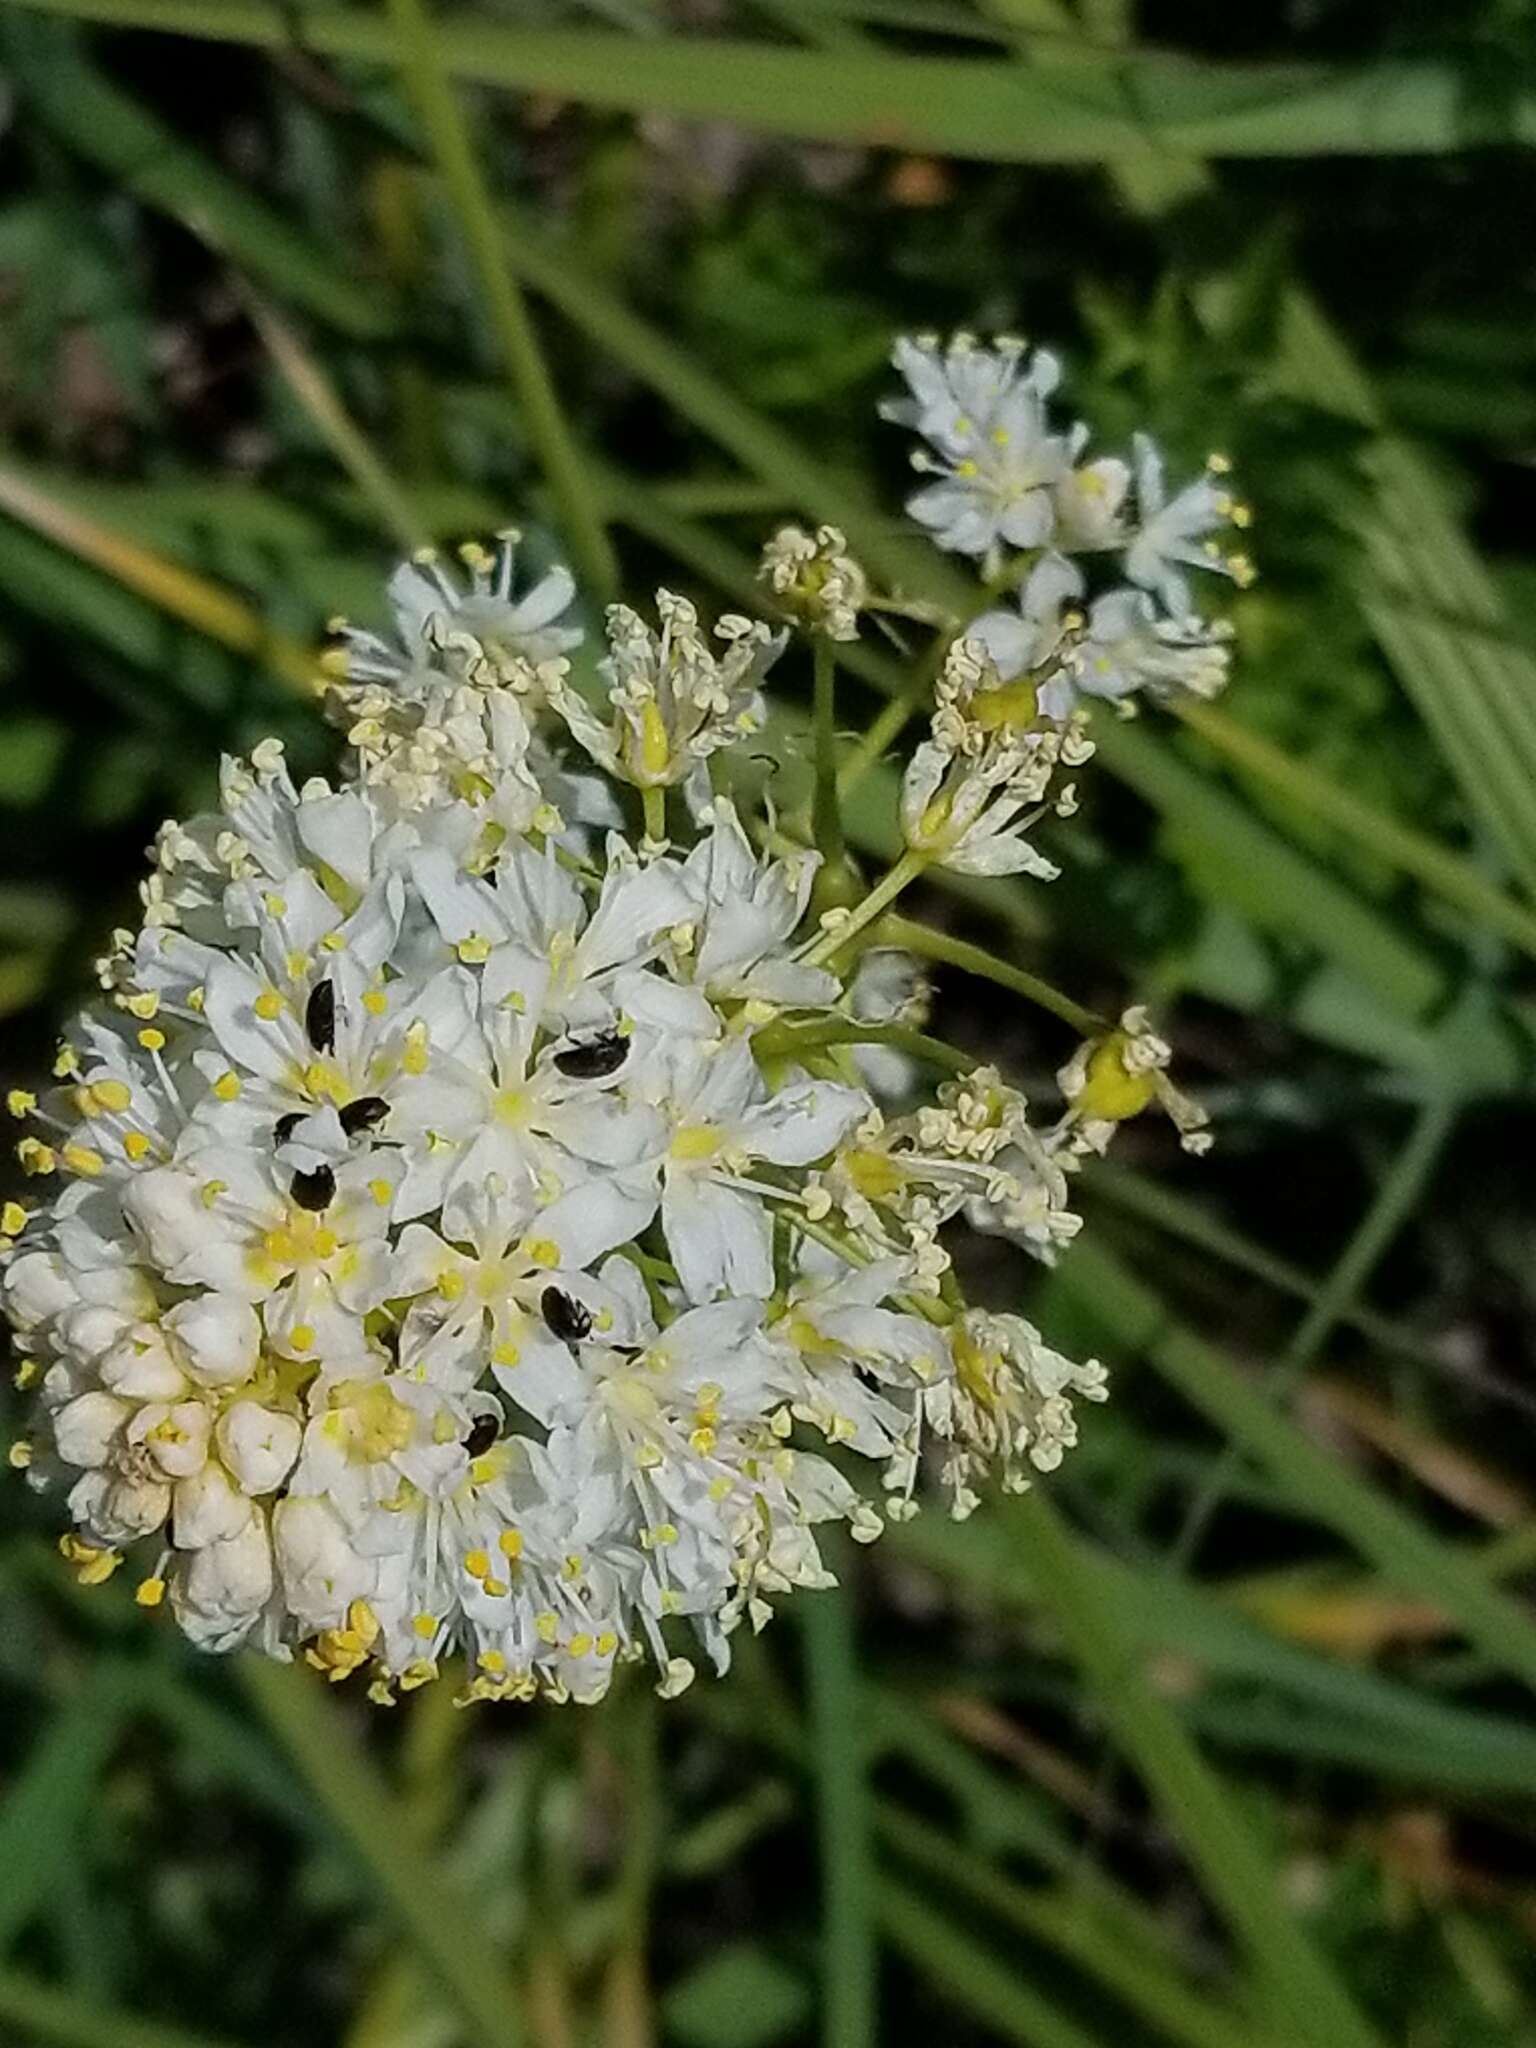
654	800
901	875
370	1821
1394	1200
1148	1730
43	2013
848	1950
533	388
973	959
826	811
786	1041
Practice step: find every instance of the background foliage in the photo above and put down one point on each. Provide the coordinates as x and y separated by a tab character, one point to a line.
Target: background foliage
1225	1733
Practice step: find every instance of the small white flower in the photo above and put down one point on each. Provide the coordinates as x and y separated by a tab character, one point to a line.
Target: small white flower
1173	534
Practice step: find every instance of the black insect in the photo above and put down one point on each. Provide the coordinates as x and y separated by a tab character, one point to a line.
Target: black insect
320	1016
567	1318
363	1114
314	1191
482	1433
285	1126
595	1059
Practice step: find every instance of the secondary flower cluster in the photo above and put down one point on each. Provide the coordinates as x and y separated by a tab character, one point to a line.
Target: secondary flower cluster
470	1226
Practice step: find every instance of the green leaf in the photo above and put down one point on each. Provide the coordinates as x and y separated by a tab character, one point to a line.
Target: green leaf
740	1998
44	1807
49	2015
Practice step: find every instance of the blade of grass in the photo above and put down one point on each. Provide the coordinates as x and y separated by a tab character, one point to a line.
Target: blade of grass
848	1951
1149	1733
1104	104
45	2014
141	155
1394	1201
315	392
371	1823
979	1983
421	60
208	610
1061	1920
1437	867
1408	1554
44	1806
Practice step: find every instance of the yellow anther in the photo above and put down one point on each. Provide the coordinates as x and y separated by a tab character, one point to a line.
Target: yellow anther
375	1002
548	1626
143	1005
227	1086
93	1565
474	951
21	1102
541	1251
425	1625
579	1645
66	1061
83	1159
450	1283
506	1354
112	1096
492	1661
151	1039
297	963
277	906
136	1145
381	1192
966	468
510	1542
211	1190
301	1338
19	1456
149	1592
13	1219
26	1375
268	1005
477	1563
607	1643
422	1672
414	1058
35	1156
196	997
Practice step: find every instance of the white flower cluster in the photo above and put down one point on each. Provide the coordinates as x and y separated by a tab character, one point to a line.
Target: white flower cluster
1015	490
467	1226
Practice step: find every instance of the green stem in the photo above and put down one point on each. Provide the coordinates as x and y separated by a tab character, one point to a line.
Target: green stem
1393	1202
888	726
533	389
826	813
654	798
785	1041
974	959
886	890
848	1947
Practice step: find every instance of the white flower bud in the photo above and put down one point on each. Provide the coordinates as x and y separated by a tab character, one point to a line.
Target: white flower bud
208	1509
37	1287
175	1438
258	1445
224	1587
221	1337
321	1570
166	1210
84	1432
140	1366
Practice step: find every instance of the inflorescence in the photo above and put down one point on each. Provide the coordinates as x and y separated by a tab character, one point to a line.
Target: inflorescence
490	1213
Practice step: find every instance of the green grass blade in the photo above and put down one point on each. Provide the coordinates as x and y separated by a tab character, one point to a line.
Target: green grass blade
848	1950
1147	1730
979	1983
1408	1555
43	1807
46	2015
991	109
370	1822
420	55
138	153
1064	1921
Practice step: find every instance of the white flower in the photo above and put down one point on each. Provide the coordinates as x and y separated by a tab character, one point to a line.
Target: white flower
982	411
1173	534
674	700
446	630
816	578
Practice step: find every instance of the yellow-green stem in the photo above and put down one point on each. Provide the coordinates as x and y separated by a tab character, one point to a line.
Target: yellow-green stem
886	890
974	959
654	798
826	812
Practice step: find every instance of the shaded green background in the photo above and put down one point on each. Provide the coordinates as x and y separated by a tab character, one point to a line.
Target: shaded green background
1249	1754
